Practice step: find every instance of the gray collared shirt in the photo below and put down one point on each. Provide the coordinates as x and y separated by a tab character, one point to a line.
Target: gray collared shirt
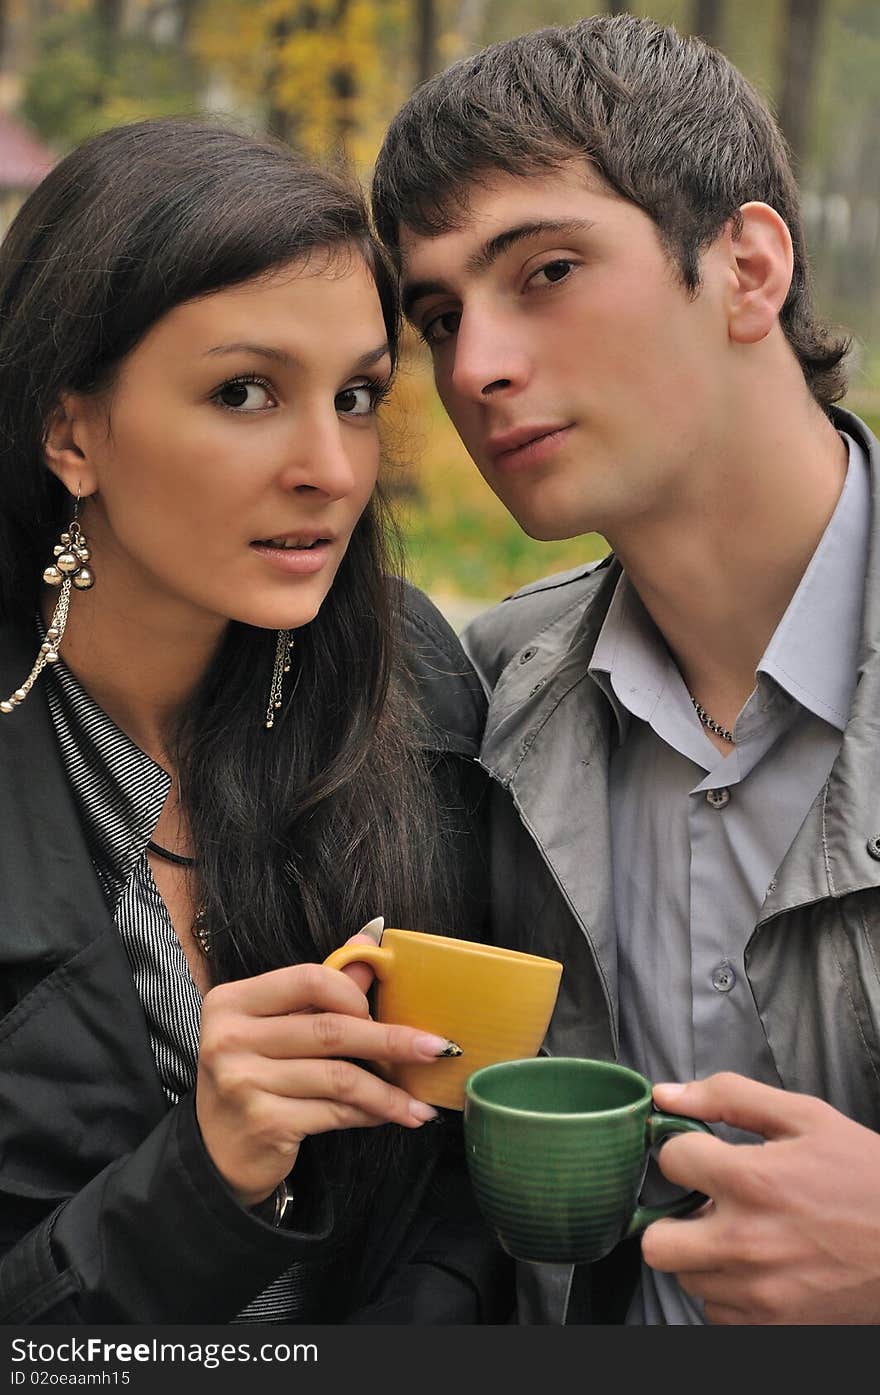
697	836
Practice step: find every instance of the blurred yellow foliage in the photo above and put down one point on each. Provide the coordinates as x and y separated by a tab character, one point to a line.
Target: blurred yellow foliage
330	65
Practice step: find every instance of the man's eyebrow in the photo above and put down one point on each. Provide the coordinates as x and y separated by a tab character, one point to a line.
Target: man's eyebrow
493	248
366	360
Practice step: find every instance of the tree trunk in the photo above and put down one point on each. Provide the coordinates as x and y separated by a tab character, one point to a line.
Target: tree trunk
470	25
706	21
798	53
279	119
343	84
108	13
426	39
186	12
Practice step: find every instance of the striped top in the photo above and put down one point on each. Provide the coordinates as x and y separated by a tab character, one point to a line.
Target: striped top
120	792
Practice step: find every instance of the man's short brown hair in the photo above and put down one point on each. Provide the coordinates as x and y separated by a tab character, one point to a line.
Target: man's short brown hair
668	122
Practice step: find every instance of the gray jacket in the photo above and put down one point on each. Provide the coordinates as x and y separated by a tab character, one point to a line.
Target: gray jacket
813	959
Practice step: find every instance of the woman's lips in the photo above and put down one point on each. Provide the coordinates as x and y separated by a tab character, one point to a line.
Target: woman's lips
295	561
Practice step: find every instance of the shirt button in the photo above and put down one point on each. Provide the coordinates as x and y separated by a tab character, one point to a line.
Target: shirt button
718	798
723	977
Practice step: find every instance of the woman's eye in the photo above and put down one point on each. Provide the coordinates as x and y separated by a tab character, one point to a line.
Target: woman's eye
554	271
358	401
244	395
441	327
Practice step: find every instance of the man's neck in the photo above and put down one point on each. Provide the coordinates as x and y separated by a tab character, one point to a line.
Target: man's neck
717	571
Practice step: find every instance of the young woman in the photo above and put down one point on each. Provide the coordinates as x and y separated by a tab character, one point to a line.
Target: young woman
228	738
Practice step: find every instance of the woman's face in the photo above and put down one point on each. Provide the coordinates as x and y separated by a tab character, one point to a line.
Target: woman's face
238	450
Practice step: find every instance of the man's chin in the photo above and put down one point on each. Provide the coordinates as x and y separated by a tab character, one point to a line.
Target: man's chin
542	530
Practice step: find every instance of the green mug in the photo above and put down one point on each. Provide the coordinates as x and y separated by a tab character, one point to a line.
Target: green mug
557	1149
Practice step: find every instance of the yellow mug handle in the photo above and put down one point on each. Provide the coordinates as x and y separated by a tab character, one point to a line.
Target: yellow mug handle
378	958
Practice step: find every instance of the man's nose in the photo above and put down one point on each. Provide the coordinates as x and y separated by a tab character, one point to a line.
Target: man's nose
488	358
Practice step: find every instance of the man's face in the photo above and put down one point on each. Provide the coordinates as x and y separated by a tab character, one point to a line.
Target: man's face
584	380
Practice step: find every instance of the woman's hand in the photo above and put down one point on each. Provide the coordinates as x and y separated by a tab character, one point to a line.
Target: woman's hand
271	1070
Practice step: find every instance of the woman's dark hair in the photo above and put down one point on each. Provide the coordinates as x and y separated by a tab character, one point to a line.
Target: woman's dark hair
667	121
304	832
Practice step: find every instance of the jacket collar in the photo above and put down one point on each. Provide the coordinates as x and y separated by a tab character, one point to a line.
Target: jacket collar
832	854
47	887
55	928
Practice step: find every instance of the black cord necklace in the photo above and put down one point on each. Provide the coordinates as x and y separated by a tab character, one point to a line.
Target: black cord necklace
177	858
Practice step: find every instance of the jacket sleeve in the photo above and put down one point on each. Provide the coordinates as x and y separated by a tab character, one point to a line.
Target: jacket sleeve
157	1237
449	1269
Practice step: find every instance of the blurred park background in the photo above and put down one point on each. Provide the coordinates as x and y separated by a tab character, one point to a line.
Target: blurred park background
327	75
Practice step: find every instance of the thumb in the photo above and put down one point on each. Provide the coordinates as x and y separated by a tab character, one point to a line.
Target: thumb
734	1099
361	974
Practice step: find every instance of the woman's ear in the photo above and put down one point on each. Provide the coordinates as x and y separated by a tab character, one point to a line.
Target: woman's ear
762	262
66	445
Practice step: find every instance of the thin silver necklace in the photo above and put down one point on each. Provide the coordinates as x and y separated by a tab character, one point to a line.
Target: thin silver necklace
711	723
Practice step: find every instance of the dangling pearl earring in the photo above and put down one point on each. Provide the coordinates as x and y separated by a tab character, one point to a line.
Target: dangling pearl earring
68	570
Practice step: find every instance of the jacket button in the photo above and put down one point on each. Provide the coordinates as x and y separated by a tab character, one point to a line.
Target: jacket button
719	799
526	655
874	846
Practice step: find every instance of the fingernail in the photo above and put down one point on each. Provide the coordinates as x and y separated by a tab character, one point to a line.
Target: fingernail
374	929
423	1112
670	1087
437	1046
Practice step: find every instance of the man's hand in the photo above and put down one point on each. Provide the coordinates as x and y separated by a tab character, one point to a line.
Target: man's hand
792	1233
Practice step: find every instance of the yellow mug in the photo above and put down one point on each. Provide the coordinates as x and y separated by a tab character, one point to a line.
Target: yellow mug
494	1003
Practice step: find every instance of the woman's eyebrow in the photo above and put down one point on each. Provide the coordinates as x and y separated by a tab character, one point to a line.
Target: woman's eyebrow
366	360
372	356
245	347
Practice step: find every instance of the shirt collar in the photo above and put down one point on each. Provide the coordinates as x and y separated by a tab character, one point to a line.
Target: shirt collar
812	655
120	790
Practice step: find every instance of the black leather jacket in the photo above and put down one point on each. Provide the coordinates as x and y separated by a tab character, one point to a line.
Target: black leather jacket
110	1207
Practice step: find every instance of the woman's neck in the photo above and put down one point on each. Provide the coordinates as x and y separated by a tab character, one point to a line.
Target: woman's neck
141	664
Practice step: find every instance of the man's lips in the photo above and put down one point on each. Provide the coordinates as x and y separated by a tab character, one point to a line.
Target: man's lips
525	444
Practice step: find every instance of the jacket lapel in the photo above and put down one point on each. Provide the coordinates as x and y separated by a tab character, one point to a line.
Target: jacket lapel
550	731
75	1055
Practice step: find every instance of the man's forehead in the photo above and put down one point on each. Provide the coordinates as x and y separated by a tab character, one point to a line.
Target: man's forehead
498	199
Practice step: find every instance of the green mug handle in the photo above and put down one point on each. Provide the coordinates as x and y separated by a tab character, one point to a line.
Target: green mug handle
661	1126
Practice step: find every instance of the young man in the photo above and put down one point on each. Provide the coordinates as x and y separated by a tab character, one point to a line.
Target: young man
599	238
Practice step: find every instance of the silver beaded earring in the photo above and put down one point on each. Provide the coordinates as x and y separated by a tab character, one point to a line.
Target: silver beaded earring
68	570
281	666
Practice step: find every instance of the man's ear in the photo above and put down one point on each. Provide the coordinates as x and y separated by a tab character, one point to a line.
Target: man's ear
762	261
66	445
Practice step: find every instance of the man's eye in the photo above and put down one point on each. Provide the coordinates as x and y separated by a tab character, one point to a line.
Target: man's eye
441	327
244	395
554	271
